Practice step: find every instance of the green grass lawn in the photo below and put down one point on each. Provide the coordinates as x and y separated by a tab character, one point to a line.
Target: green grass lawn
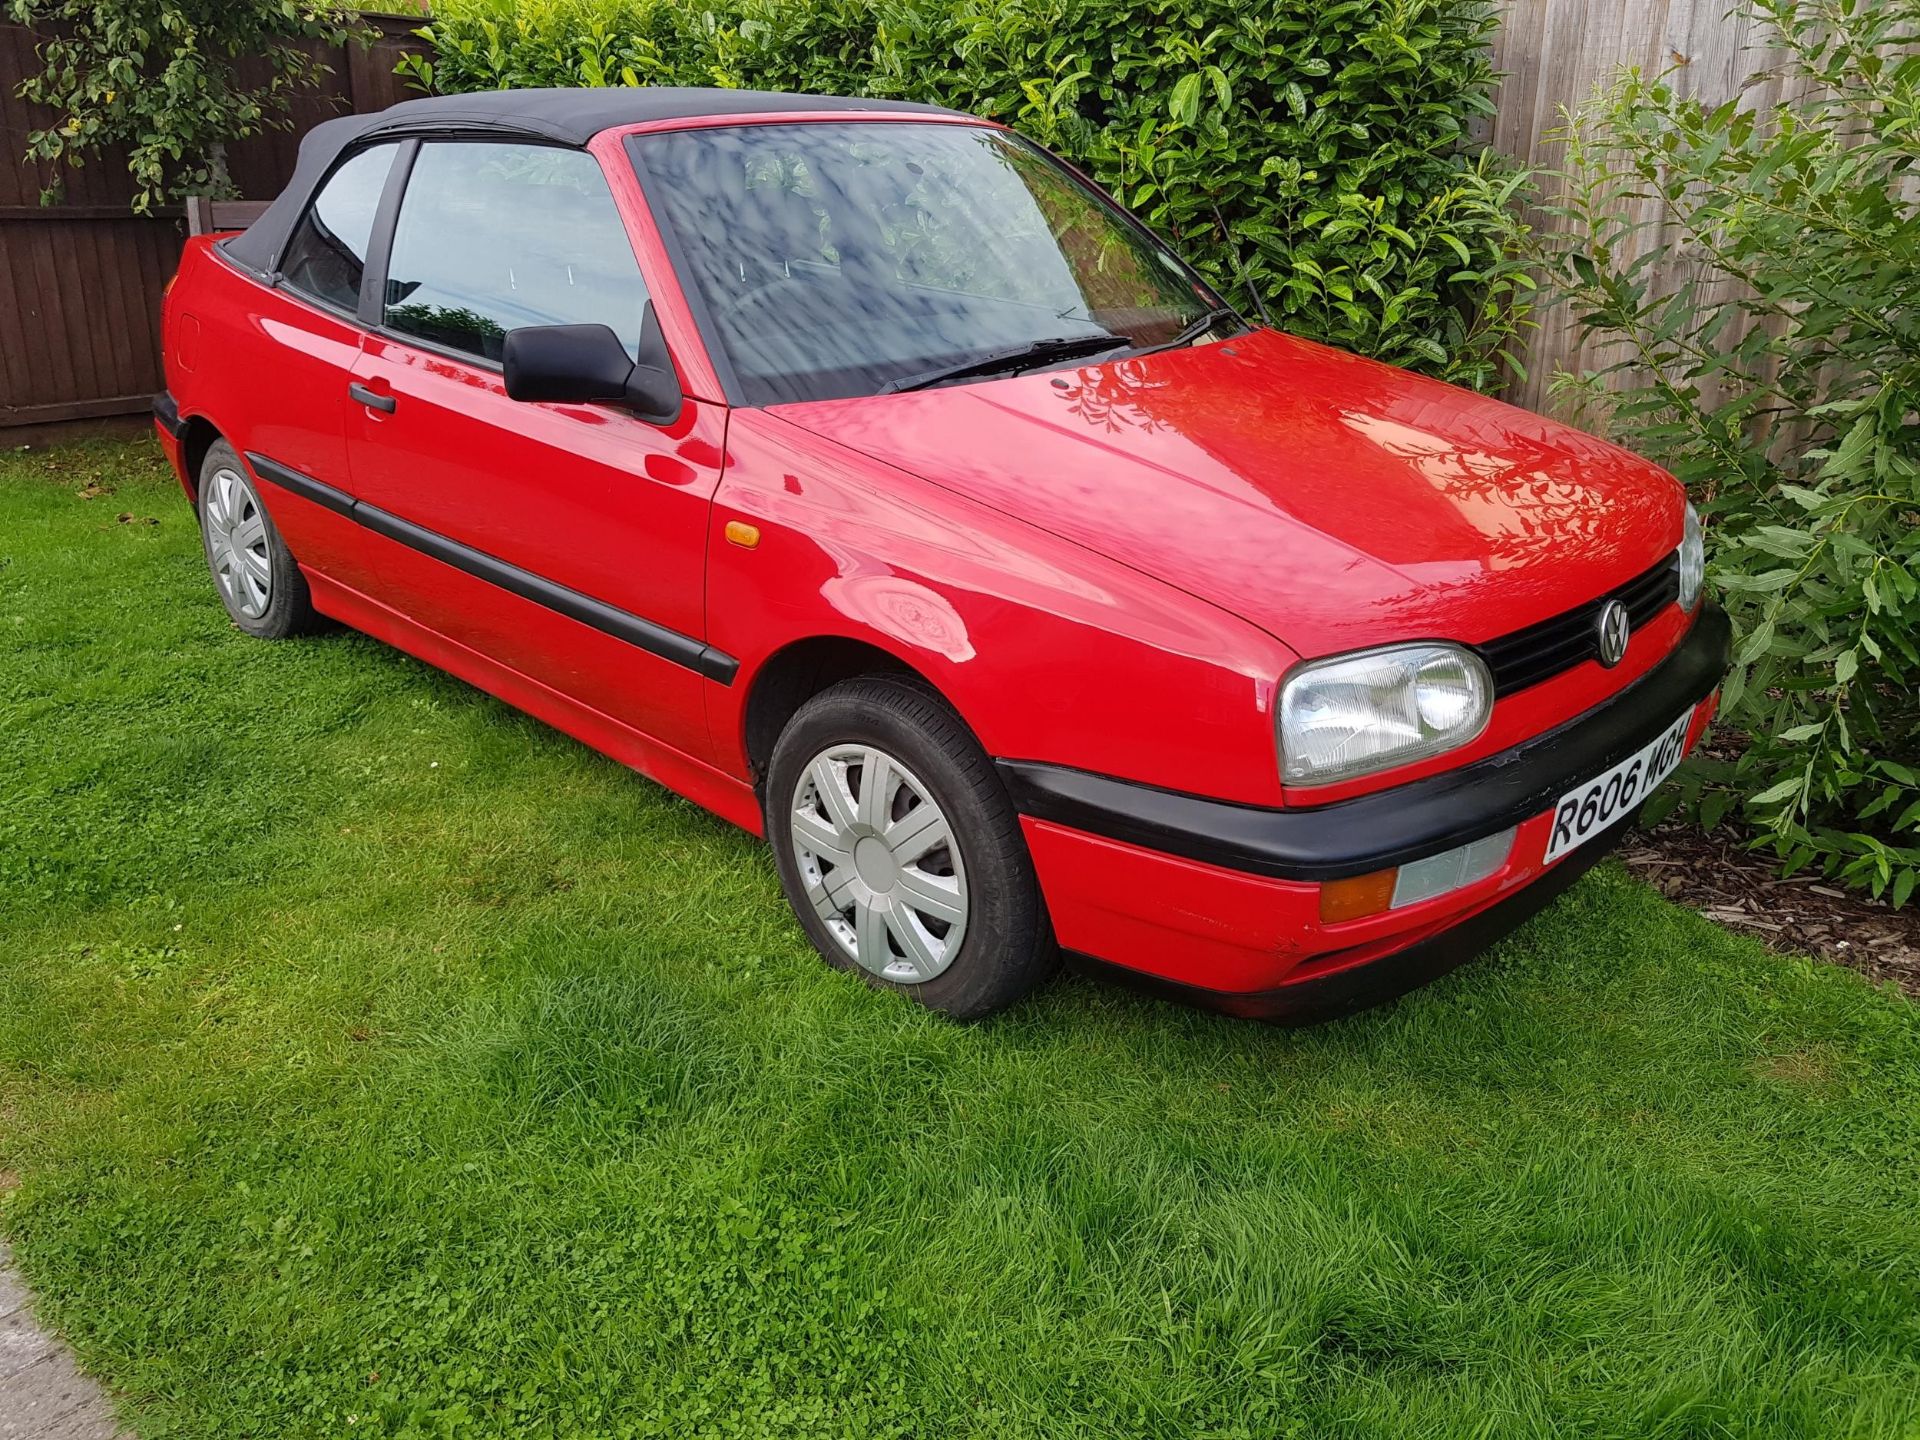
375	1061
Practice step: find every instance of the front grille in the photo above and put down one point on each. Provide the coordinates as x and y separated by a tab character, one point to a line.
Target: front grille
1540	652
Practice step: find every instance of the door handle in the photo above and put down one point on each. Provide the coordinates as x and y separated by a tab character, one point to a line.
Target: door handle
373	400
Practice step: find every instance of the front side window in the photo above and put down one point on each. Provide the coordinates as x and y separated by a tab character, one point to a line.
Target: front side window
492	237
327	253
838	258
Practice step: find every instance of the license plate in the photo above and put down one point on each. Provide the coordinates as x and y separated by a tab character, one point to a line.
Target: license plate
1586	810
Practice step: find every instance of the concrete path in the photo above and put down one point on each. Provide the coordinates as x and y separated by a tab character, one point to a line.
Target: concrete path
43	1395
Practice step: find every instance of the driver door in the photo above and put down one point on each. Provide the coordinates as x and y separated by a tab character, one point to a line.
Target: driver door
566	541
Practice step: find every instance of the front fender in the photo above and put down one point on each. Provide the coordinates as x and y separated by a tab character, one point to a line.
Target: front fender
1049	651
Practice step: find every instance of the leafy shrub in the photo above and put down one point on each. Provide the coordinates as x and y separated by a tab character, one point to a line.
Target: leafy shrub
164	79
1316	151
1792	411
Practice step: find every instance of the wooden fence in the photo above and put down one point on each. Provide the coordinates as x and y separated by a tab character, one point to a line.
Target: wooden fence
1556	53
80	279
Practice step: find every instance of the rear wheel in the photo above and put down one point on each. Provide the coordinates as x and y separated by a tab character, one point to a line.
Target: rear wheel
899	850
258	581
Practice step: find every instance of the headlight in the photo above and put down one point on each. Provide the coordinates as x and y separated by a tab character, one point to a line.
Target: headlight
1359	713
1693	560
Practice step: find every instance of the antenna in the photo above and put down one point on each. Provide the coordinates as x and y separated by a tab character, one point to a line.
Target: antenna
1253	293
1246	278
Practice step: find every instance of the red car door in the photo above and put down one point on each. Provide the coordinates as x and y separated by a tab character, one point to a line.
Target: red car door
564	541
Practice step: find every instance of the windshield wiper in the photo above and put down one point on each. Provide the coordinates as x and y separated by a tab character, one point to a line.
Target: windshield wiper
1020	357
1196	329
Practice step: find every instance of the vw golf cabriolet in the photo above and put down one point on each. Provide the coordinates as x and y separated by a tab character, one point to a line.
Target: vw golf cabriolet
862	472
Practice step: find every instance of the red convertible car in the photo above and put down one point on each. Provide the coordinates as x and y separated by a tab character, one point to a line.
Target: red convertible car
865	474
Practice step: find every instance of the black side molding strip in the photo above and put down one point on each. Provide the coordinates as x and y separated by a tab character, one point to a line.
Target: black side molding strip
166	414
305	486
671	645
1389	827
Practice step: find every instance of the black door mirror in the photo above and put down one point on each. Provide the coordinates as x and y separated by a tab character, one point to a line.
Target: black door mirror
653	390
577	363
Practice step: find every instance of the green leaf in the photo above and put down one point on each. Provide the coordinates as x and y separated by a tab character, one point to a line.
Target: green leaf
1184	105
1773	794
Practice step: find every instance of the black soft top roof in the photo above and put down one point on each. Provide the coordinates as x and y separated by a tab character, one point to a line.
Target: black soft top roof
568	117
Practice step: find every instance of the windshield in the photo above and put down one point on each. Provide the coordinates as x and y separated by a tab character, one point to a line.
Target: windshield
836	259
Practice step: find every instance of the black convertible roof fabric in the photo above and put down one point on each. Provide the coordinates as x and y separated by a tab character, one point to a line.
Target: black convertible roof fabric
567	117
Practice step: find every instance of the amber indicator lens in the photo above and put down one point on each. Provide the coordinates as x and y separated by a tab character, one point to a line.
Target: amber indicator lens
1358	897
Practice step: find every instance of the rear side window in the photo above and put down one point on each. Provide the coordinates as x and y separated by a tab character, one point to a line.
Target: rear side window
328	249
493	237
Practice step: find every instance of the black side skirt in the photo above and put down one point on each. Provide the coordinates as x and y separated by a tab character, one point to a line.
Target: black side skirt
671	645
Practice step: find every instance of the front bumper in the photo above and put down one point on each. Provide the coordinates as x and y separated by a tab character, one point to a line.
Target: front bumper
1220	902
1334	989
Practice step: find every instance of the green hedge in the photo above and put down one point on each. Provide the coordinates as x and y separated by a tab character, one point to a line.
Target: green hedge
1785	396
1319	151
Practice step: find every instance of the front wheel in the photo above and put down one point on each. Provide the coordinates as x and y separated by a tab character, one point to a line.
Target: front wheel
900	853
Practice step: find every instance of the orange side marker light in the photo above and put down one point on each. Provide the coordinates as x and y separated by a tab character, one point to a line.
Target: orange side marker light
1357	897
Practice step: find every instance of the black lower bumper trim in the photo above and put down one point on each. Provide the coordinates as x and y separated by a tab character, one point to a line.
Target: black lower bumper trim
1387	977
1389	827
166	414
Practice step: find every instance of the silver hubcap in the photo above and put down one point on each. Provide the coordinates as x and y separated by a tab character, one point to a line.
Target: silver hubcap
879	863
237	543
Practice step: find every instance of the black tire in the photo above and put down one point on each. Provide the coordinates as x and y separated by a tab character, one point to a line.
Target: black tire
289	607
1007	947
